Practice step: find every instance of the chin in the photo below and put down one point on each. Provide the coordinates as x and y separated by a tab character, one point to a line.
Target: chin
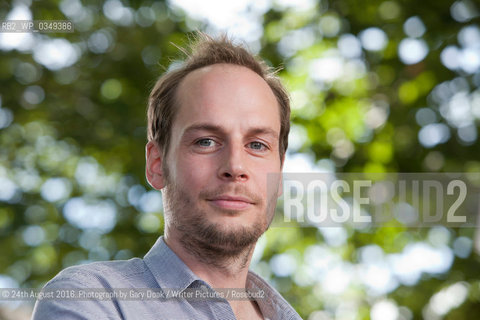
235	220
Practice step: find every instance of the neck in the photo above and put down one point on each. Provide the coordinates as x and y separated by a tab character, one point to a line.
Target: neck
219	267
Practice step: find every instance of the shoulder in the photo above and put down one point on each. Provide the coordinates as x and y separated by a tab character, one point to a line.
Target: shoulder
131	273
106	274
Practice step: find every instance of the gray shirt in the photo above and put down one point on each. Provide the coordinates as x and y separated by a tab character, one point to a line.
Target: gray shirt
160	270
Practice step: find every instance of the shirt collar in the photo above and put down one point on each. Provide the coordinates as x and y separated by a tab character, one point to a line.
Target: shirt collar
168	270
272	305
171	272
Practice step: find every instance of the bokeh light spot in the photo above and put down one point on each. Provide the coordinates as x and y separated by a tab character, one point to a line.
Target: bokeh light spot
373	39
111	89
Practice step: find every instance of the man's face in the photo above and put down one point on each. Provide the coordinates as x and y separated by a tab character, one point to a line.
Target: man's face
225	141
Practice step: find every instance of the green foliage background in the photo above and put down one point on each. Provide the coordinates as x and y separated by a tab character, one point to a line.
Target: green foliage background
91	115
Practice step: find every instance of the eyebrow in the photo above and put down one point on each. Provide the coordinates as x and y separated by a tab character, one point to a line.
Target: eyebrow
219	130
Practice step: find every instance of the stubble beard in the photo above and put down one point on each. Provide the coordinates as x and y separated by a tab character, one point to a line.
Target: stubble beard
212	243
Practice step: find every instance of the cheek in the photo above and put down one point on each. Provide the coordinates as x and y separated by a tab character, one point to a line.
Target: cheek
193	173
266	179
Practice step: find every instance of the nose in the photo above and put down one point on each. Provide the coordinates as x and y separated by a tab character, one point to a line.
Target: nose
233	164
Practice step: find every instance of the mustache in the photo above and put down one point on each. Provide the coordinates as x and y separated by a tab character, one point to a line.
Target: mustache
237	190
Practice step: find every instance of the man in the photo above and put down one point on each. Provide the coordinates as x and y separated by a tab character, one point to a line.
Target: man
218	131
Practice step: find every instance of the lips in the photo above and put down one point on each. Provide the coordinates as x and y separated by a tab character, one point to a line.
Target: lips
231	202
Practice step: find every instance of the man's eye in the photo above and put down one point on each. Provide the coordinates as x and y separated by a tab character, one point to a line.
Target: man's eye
205	142
257	145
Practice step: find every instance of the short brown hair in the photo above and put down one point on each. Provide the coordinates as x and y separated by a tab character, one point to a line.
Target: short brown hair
206	51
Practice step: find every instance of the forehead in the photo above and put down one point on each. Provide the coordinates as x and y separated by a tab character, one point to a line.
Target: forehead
226	95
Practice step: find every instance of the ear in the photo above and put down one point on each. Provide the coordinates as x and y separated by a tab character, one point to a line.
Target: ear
280	187
154	165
